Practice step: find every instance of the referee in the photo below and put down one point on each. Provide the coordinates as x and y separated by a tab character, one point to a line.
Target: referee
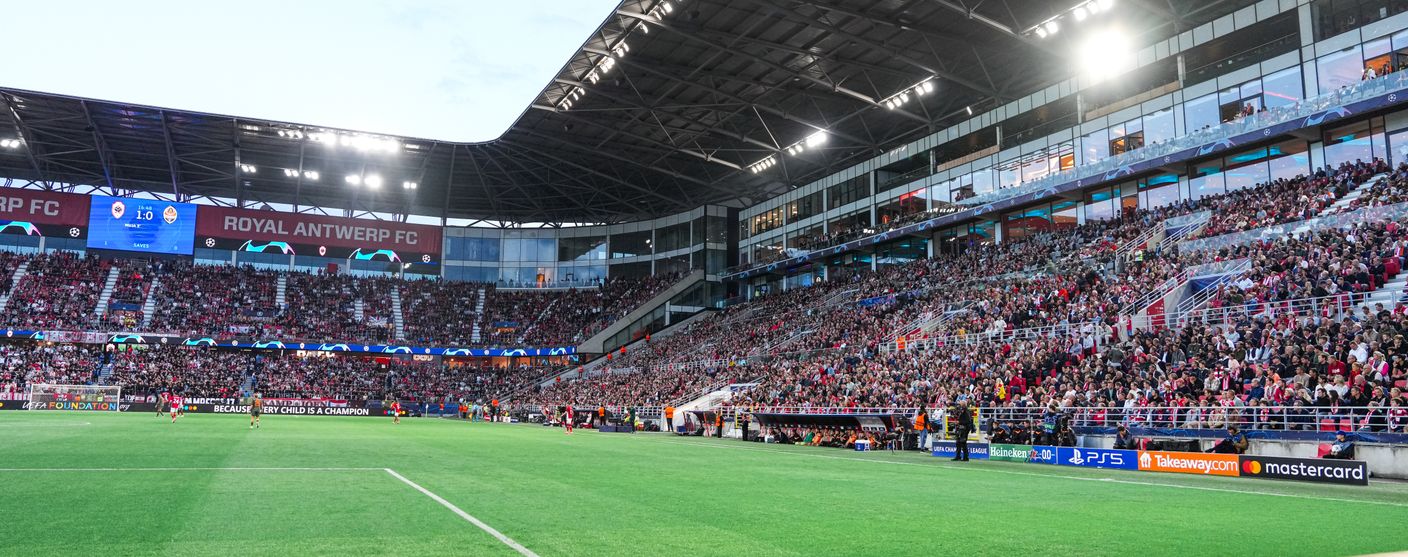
963	425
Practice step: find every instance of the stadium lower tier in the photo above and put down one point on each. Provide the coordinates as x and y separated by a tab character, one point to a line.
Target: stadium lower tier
229	374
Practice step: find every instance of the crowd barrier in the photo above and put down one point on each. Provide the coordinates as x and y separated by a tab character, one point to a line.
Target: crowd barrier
1345	472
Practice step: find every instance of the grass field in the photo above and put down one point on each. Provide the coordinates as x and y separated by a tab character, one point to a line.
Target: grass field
133	484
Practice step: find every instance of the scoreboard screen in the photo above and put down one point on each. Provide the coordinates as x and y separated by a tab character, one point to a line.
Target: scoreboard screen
148	225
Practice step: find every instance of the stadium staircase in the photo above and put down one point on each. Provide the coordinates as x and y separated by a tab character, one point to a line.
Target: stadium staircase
14	282
281	292
104	373
479	300
840	298
929	322
106	294
596	344
1391	294
1342	204
398	319
149	305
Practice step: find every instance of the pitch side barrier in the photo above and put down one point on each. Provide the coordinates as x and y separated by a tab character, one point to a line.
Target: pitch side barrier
288	407
1345	472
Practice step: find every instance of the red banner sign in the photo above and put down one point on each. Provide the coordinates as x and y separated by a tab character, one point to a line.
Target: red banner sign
320	232
43	207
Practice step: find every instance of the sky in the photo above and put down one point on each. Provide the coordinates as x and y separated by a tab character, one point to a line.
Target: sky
435	69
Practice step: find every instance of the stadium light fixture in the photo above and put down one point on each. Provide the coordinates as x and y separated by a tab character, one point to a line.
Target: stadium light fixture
10	143
1104	54
409	185
311	175
969	109
354	179
249	169
372	181
1079	12
817	139
290	172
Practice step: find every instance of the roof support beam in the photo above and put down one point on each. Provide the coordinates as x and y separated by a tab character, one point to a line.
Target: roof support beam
833	87
171	156
794	15
601	174
629	61
99	144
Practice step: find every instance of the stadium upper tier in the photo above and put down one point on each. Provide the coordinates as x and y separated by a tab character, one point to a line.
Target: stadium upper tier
64	291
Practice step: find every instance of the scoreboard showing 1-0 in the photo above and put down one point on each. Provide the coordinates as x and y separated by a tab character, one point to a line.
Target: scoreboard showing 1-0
147	225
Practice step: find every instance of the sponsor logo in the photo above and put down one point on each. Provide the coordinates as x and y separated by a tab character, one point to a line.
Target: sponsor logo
118	209
68	405
1189	463
1097	458
950	449
1043	455
1010	453
1348	472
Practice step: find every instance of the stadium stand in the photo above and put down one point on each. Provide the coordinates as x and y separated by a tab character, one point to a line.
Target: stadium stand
1286	334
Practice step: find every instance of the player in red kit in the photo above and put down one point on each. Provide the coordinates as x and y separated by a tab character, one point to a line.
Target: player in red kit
567	419
176	412
396	412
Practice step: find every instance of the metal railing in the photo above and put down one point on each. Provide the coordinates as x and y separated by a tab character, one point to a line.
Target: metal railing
1335	307
1397	211
1272	417
1071	331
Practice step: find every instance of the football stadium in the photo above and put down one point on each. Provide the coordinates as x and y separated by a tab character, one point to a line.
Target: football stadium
732	277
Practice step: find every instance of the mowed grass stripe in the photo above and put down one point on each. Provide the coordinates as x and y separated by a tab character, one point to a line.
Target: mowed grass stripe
620	494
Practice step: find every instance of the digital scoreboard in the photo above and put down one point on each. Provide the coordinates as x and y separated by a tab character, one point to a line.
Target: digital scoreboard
145	225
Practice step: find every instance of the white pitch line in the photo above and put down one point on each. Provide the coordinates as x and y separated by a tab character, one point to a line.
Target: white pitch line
468	517
182	469
1017	473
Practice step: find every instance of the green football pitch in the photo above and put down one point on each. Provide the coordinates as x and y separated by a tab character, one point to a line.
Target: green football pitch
134	484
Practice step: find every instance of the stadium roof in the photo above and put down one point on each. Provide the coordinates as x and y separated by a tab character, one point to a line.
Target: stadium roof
664	108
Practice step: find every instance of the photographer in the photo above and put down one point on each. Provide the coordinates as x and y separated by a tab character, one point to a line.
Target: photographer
963	425
1123	439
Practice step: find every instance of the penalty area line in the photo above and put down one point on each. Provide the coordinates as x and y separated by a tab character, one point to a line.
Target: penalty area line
1040	475
468	517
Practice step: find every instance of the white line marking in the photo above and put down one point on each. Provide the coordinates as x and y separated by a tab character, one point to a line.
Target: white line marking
482	526
173	469
46	424
1016	473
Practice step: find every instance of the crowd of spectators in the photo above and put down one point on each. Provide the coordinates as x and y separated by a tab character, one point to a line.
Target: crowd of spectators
335	307
440	311
1261	357
213	300
59	290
